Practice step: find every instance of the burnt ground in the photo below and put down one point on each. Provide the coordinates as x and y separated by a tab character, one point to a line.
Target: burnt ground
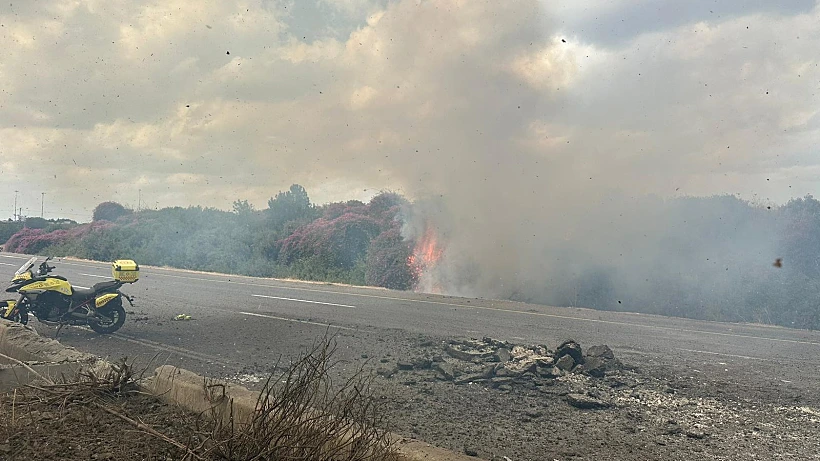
470	396
635	411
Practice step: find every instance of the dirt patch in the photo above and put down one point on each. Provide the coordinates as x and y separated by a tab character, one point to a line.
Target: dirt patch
36	426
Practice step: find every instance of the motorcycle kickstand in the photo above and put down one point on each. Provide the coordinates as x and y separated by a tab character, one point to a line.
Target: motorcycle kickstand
60	327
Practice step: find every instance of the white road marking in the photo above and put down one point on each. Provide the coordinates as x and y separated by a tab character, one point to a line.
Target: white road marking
303	301
174	349
8	264
296	321
81	287
723	355
98	276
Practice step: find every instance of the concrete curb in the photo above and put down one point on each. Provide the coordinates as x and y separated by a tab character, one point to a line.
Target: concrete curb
46	357
188	390
23	343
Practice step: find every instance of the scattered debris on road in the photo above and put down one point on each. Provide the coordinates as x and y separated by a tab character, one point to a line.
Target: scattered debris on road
503	365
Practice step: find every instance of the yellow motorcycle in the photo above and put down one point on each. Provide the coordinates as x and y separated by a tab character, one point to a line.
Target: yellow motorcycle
54	301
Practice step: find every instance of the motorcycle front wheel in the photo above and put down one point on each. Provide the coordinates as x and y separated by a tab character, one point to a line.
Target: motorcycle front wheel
19	317
112	317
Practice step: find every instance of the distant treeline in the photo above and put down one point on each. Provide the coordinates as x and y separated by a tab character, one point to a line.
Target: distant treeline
350	242
708	258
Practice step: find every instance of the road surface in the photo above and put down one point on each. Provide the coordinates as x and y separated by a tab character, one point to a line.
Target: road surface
236	317
244	328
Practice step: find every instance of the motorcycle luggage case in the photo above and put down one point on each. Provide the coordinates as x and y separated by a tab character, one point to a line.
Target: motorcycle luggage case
125	270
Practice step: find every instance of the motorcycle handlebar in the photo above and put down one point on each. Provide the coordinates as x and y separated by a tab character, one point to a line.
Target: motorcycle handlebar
45	268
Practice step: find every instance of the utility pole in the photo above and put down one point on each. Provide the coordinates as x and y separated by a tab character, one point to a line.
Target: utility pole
15	204
42	203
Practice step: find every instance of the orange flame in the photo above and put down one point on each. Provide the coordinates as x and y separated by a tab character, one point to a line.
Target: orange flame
426	255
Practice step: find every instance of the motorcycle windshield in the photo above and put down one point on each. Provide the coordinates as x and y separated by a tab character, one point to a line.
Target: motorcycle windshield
28	265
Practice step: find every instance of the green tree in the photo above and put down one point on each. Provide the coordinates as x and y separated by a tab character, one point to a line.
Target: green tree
291	205
110	211
243	208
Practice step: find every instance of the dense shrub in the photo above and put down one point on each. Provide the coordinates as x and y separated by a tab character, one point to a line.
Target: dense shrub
339	242
9	228
110	211
387	262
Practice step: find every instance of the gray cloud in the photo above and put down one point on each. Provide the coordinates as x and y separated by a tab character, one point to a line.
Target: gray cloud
525	142
615	23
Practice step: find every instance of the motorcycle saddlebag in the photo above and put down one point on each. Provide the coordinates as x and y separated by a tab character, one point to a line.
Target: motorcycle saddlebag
125	270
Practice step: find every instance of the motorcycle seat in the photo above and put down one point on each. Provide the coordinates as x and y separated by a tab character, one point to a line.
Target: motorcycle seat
103	286
98	288
82	293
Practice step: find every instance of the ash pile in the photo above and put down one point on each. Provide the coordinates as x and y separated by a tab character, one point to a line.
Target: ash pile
503	365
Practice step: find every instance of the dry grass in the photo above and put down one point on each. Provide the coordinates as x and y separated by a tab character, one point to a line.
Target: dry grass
301	415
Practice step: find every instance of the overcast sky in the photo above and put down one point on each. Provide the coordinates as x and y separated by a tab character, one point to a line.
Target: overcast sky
205	102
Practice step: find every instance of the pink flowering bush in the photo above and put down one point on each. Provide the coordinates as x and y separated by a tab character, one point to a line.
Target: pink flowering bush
34	241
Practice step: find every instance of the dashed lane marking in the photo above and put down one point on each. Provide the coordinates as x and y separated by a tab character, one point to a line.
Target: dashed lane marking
303	301
723	355
285	319
174	349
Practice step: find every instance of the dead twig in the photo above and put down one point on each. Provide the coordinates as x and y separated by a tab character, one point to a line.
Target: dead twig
146	429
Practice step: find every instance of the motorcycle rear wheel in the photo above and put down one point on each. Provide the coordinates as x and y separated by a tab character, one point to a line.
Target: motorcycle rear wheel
113	317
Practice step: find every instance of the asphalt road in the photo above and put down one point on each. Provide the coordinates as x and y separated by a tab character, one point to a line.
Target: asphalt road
241	323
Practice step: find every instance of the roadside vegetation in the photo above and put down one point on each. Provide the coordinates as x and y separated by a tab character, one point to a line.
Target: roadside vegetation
300	415
710	258
291	238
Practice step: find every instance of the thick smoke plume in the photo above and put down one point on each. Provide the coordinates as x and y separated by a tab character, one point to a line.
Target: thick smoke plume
525	205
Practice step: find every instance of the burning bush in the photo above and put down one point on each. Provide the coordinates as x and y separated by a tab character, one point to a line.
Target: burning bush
387	262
